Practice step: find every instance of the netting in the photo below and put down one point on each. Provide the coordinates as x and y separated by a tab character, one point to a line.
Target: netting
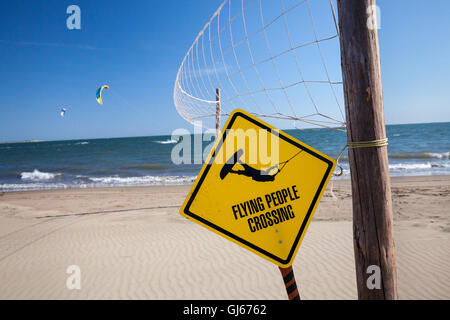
272	58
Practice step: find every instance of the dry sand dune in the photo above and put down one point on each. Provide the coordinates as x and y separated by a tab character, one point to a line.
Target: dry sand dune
131	243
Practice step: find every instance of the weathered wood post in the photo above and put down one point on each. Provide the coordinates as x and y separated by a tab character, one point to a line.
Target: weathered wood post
217	112
372	205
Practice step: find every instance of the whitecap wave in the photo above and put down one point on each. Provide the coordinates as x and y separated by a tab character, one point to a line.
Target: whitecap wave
83	142
144	180
442	155
424	155
95	182
417	166
31	186
167	141
37	175
407	169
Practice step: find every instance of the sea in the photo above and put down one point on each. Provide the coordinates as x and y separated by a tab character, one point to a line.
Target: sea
414	150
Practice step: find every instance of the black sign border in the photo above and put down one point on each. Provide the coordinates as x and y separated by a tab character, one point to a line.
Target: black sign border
235	237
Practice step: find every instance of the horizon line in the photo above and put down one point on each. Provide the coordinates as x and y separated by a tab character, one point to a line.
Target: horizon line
163	135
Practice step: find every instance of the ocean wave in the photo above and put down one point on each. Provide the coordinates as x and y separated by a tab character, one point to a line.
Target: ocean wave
168	141
82	177
37	175
443	155
31	186
83	142
408	168
417	166
425	155
145	180
83	182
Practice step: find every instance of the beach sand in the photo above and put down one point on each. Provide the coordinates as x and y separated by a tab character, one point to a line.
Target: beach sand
132	243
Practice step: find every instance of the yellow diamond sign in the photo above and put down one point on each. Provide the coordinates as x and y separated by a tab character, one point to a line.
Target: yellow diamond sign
259	188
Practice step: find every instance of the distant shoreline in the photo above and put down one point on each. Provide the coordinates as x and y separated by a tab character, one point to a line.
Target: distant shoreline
25	141
191	133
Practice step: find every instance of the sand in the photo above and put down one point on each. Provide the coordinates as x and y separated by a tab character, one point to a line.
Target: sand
131	243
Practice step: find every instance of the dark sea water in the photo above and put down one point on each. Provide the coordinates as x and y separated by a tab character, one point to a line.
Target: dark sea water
414	149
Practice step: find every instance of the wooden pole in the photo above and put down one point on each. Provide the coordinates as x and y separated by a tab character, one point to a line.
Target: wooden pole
372	205
217	112
290	283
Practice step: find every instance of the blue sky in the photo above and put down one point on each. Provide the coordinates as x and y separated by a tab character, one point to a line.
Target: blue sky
136	47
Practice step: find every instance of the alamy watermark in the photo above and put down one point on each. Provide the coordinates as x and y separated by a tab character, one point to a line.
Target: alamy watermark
73	281
74	20
254	146
374	280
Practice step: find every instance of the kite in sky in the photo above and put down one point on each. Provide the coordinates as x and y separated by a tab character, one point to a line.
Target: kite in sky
99	93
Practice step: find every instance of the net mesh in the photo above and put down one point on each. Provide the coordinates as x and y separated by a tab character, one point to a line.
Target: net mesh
273	58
